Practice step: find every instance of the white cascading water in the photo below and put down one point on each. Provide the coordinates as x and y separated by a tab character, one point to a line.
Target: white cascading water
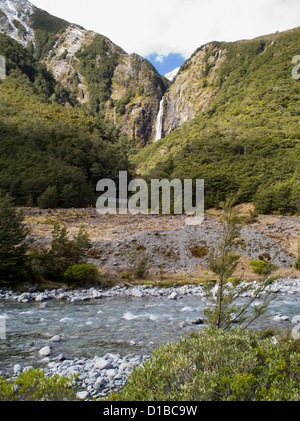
159	121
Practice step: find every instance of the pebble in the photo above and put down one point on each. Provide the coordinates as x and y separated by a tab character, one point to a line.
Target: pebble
17	368
82	395
101	363
45	351
55	338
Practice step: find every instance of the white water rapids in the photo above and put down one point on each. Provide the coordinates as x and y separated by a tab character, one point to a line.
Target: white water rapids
118	324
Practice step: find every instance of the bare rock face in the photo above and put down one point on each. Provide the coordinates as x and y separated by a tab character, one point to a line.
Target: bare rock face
191	91
64	65
15	18
138	88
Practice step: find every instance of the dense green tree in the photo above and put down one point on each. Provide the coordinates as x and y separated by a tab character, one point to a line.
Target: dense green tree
12	241
49	199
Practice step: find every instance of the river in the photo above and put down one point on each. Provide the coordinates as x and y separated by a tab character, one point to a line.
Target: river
117	324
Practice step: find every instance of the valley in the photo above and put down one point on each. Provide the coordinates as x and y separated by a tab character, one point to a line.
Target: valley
96	295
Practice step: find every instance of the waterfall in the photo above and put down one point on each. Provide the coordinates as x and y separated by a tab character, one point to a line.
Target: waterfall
159	120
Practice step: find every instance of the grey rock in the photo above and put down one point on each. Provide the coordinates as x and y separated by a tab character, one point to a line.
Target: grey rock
25	297
137	293
100	381
111	373
197	321
102	363
17	368
75	299
82	395
61	357
45	351
27	368
55	338
41	297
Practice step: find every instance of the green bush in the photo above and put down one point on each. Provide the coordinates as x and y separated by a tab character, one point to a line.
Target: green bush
121	103
141	267
81	273
33	385
215	365
258	266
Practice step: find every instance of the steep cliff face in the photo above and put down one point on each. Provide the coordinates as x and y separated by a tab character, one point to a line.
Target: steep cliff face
192	89
136	92
62	61
15	20
124	88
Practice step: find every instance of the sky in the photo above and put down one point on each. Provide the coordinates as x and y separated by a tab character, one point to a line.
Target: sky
167	32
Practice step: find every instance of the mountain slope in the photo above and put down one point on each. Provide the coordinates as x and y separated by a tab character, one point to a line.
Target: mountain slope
245	132
125	88
205	77
52	153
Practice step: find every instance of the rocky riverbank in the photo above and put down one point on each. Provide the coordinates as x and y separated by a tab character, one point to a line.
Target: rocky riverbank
284	285
94	378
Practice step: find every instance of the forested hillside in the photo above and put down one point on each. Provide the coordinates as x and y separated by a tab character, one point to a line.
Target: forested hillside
231	116
248	136
52	153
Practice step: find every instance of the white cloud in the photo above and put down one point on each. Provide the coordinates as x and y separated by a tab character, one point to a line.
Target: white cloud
178	26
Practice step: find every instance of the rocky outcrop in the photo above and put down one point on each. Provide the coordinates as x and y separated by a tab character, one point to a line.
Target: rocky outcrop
15	20
64	65
136	92
192	91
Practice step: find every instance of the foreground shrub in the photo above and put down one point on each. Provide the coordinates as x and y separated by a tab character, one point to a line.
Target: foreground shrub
35	386
217	365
